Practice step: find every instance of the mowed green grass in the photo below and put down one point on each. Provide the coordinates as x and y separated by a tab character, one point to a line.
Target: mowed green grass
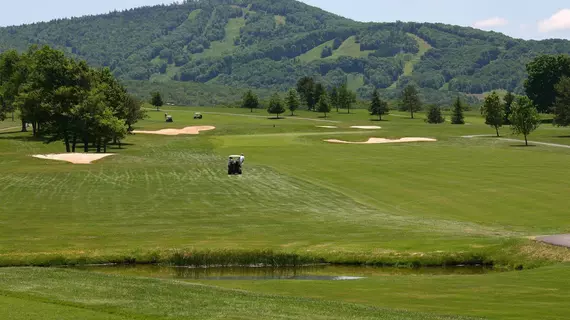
533	294
65	294
299	194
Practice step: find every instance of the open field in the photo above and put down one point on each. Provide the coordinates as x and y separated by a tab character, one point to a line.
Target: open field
457	200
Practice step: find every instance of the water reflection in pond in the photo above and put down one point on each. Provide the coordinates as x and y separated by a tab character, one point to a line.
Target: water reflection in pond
300	273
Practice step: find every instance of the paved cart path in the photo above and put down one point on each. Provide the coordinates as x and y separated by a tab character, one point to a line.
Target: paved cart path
562	240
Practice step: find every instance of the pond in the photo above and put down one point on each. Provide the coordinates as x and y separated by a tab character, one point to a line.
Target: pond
324	272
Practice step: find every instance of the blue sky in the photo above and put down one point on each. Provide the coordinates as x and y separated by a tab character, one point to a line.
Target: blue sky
522	19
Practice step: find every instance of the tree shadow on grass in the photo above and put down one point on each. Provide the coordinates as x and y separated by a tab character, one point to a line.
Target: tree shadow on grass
21	138
378	120
522	146
563	137
275	118
547	121
3	133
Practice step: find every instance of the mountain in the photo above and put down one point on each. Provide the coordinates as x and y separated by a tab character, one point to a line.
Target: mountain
269	44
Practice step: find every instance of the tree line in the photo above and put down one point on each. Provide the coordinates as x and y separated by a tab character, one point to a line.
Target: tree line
64	99
313	94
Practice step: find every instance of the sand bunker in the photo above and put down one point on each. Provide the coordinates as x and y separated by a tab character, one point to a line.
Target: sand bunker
328	127
175	132
383	140
366	127
76	158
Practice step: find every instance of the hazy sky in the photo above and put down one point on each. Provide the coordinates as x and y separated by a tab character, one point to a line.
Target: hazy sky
518	18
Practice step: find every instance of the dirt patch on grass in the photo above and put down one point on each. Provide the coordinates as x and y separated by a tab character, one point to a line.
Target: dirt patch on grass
175	132
366	127
75	158
383	140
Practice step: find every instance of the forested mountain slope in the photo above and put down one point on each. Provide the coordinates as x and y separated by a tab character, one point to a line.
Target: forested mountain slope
271	44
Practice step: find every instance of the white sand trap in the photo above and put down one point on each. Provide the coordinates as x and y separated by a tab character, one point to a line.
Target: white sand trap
366	127
76	158
175	132
383	140
328	127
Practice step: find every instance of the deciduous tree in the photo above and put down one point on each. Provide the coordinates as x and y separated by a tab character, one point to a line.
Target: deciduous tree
250	101
324	105
410	100
156	100
544	72
493	111
276	105
524	117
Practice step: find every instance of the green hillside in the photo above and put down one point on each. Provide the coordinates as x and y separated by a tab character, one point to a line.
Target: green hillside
269	45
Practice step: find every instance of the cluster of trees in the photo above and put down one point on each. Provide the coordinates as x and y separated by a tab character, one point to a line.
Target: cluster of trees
520	112
274	34
65	100
314	95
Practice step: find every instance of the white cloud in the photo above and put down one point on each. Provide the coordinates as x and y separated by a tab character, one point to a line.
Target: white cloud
559	21
490	23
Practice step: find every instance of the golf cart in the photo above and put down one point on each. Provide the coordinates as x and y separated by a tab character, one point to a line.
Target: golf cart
234	167
168	118
197	115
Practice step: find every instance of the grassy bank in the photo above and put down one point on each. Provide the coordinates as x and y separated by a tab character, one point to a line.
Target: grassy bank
510	255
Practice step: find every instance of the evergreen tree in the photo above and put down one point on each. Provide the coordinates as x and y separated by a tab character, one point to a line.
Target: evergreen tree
562	104
306	89
250	101
292	101
334	98
509	99
324	105
457	117
378	107
276	105
493	111
156	100
434	115
524	117
410	100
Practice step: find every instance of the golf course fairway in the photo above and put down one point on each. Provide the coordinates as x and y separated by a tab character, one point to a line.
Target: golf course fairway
167	199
